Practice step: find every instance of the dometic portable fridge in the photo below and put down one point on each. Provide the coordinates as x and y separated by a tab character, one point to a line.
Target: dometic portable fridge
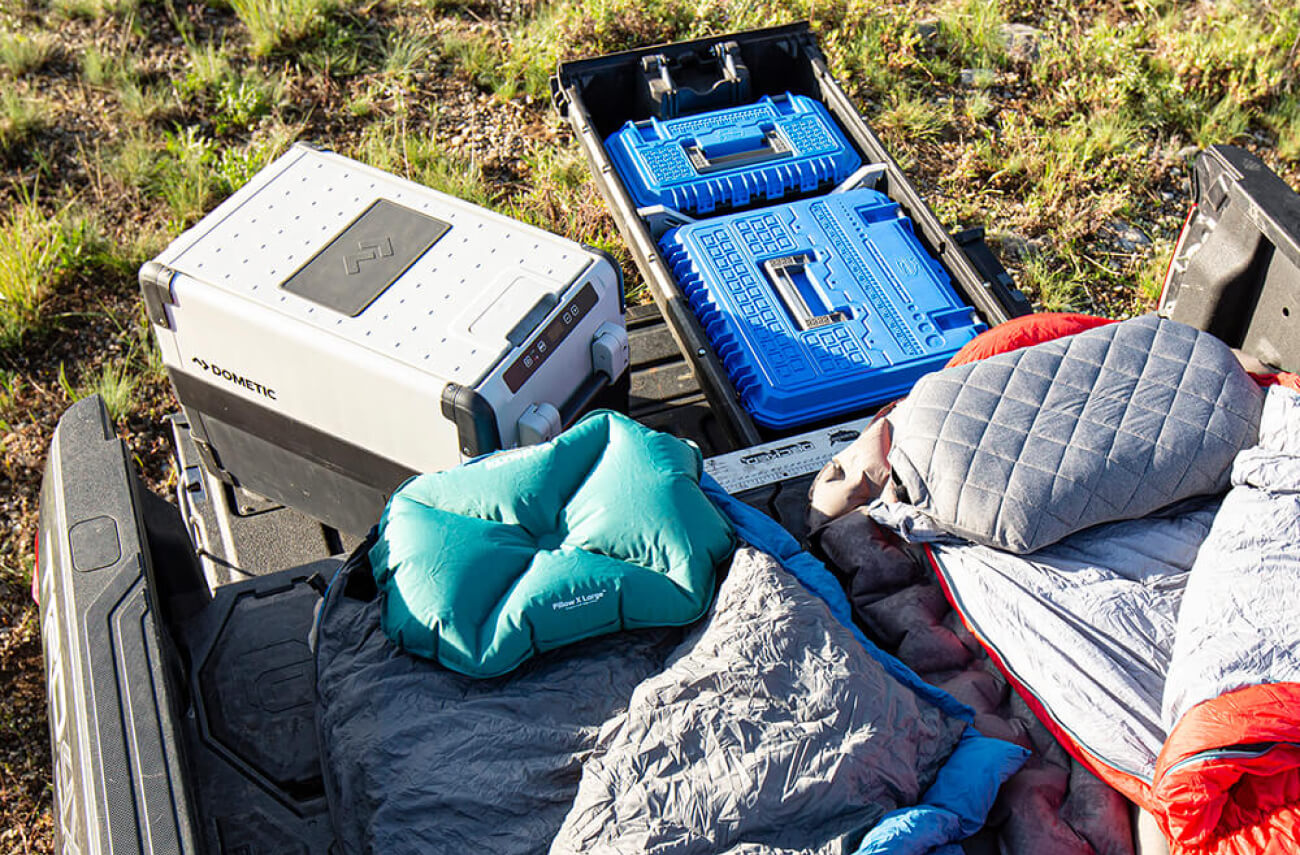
331	329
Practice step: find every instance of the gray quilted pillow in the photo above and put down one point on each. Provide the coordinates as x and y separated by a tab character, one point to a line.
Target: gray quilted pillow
1025	448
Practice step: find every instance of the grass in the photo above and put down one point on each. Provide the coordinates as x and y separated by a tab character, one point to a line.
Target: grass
23	54
11	387
970	31
183	178
978	107
38	253
405	54
1054	286
135	162
235	165
913	117
559	197
143	102
479	57
20	117
574	29
233	98
337	51
1284	121
93	10
274	25
1151	274
105	69
1226	122
414	154
117	381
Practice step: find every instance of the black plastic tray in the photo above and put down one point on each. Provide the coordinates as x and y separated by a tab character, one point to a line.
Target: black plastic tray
1236	268
599	95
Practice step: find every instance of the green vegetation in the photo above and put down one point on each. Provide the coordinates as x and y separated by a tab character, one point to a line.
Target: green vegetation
479	57
405	54
413	154
38	253
117	381
1284	121
276	24
22	54
913	117
1057	288
1058	123
105	69
20	116
93	10
11	385
1065	127
184	176
971	33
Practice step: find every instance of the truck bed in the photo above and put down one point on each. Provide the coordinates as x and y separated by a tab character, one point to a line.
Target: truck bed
225	629
179	674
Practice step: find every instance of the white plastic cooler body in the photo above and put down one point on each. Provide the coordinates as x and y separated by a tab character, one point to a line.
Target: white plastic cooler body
377	327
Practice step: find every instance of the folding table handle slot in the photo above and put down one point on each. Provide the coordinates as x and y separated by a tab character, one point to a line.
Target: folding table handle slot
770	145
801	293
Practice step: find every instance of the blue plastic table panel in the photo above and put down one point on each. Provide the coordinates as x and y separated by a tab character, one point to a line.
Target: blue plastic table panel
730	158
819	307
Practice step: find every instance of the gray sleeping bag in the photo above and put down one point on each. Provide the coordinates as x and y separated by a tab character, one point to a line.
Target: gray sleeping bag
1022	449
771	730
421	759
767	728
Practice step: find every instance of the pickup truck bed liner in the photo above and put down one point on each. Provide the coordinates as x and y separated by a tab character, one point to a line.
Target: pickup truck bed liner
250	739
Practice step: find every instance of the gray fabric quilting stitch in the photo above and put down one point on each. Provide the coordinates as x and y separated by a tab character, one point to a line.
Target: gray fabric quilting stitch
1022	449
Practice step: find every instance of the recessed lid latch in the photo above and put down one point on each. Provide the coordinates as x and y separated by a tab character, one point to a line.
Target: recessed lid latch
692	81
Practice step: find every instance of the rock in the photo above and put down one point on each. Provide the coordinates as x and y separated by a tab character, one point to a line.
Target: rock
1019	247
1021	41
1127	237
927	29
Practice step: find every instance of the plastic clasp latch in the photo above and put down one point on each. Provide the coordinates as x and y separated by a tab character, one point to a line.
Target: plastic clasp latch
609	350
539	423
693	80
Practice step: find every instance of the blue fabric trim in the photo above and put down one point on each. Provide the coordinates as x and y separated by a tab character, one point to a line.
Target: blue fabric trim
761	531
957	804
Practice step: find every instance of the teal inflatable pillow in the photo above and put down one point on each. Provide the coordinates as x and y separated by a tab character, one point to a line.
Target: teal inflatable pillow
603	528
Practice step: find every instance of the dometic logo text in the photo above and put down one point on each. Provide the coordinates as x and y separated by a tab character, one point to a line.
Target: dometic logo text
228	375
777	453
578	602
